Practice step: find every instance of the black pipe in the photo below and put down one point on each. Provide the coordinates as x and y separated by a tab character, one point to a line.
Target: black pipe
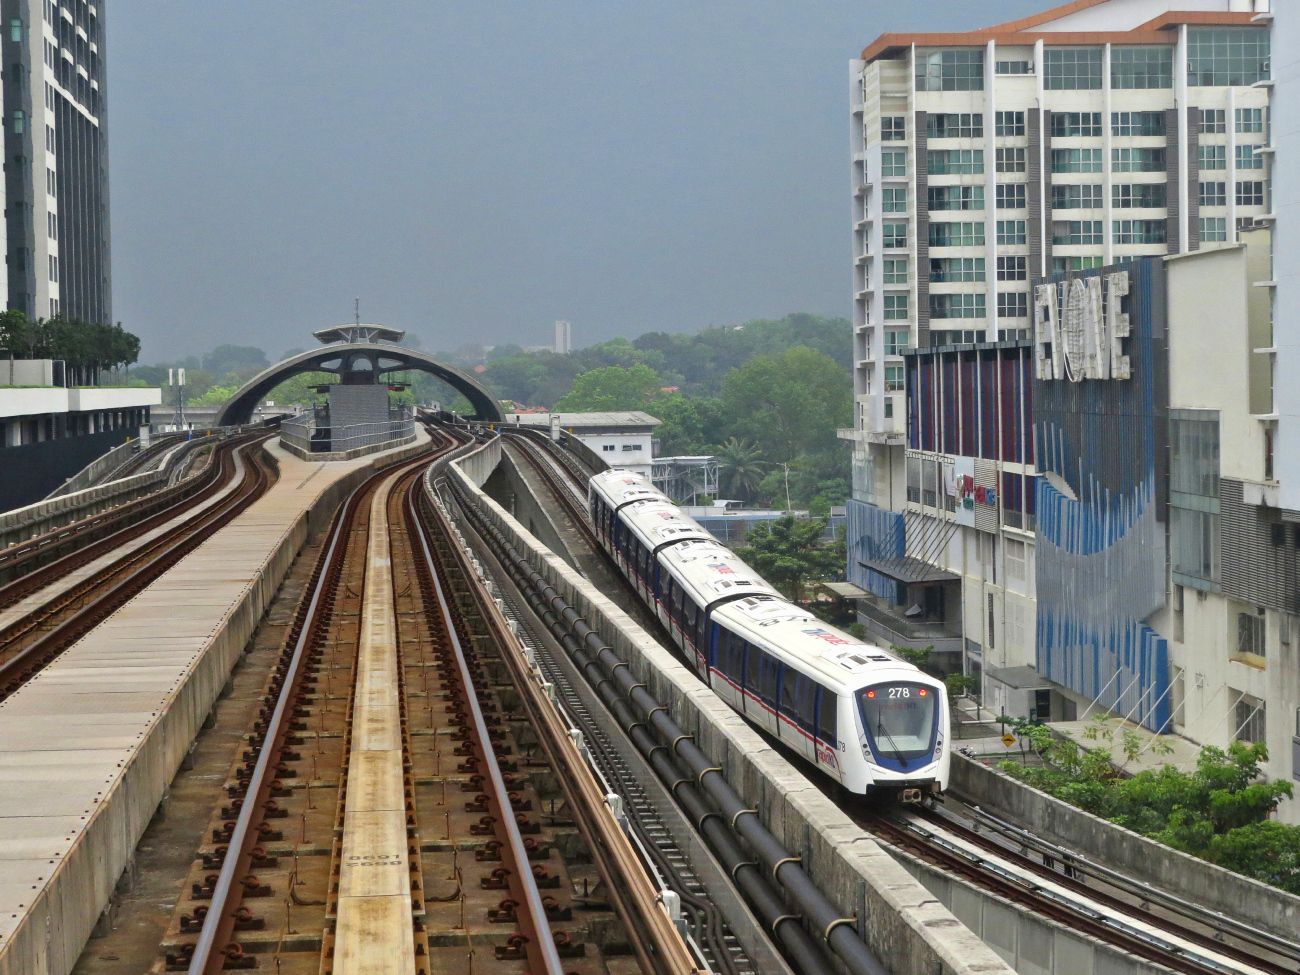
613	681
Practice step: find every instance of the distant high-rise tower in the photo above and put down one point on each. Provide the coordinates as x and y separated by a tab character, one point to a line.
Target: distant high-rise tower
563	338
56	150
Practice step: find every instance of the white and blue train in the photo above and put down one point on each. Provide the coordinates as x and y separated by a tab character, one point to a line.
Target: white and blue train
864	717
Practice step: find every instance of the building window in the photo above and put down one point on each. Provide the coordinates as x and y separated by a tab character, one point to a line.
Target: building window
1010	160
18	121
1141	67
1250	721
1009	123
1249	119
1067	125
894	379
896	341
49	139
957	234
895	234
1076	160
895	308
1127	196
1013	304
1213	228
1072	68
1014	67
1250	634
607	447
1063	265
1248	158
1011	231
893	162
1194	496
1212	157
1213	121
1139	231
1218	56
1138	160
1011	196
54	307
631	446
51	183
1137	123
950	71
944	269
1077	196
893	199
1250	194
52	225
956	197
1067	232
16	31
893	128
967	125
895	270
1213	195
1012	269
948	162
957	306
54	267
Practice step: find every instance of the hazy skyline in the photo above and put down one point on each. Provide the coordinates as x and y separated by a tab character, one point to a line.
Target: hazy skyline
474	172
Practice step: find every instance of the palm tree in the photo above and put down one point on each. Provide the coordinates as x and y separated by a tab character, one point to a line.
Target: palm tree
739	469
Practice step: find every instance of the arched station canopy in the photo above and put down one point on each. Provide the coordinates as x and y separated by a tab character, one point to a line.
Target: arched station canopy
356	362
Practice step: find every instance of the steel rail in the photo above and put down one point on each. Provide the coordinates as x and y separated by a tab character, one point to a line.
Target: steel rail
90	537
152	563
219	922
1112	930
532	896
607	673
1112	878
659	945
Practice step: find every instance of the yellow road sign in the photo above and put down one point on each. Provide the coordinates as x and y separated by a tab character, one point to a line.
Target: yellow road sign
1008	739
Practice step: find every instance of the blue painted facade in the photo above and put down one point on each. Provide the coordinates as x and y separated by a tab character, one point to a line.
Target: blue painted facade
1101	548
874	533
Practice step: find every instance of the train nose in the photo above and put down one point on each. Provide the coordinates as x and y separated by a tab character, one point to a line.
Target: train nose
911	795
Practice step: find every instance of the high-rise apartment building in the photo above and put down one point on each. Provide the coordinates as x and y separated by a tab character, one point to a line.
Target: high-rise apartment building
563	338
56	159
995	174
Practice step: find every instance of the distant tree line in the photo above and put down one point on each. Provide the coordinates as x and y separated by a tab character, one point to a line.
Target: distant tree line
86	348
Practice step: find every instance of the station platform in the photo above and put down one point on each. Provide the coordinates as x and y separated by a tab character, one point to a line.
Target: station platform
89	746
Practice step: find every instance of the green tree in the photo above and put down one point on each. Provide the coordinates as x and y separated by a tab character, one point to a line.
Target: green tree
790	554
611	388
740	469
790	404
691	426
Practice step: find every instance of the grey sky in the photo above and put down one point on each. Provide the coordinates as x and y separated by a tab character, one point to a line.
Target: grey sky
474	171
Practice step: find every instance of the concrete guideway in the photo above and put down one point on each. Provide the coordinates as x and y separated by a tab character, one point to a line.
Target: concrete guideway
88	746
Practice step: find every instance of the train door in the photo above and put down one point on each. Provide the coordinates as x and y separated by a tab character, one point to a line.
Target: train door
798	712
763	712
827	731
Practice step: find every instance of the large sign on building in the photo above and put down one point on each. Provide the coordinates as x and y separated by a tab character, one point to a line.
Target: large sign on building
1100	417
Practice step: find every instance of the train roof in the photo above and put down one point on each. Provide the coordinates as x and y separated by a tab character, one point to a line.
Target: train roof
619	486
657	520
710	571
833	656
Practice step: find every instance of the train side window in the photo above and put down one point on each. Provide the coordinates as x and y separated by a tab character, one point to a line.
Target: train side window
753	668
770	680
789	681
716	635
827	714
734	658
700	627
658	580
799	698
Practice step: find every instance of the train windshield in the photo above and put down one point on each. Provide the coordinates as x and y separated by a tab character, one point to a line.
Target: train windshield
900	719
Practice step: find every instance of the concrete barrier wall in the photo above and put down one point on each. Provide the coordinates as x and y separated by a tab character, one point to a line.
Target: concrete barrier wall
55	933
1186	876
911	931
96	469
21	524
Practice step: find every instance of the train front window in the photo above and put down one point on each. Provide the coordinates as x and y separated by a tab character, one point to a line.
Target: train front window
900	720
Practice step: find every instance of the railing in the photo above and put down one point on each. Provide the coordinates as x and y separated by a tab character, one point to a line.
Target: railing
306	436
